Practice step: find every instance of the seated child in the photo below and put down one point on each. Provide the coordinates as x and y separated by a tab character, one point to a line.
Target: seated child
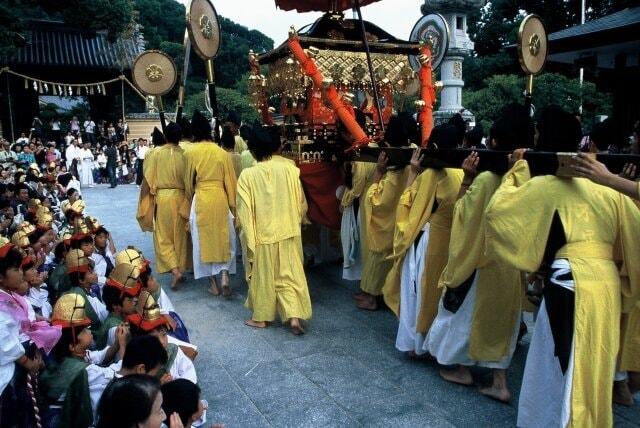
120	295
73	382
149	320
82	276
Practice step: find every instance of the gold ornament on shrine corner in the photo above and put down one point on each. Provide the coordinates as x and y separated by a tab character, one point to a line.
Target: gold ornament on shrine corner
204	28
532	44
154	73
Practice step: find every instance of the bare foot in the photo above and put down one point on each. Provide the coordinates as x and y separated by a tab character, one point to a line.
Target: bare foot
296	327
369	303
213	289
177	277
622	393
461	376
226	288
500	394
255	324
360	295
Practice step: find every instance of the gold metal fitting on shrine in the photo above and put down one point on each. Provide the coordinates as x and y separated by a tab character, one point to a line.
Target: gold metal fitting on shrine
313	51
293	34
424	59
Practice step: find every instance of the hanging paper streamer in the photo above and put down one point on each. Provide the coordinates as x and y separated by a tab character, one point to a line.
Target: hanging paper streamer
53	90
104	89
26	84
46	88
35	86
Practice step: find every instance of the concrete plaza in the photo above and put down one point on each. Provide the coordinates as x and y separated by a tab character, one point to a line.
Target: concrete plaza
344	372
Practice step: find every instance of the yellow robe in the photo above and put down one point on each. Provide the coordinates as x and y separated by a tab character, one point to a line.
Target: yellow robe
499	287
379	216
415	209
240	145
247	160
146	201
271	206
210	182
595	220
629	355
362	173
165	175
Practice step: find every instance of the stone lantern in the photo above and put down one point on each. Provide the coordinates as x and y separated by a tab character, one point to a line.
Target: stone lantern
455	13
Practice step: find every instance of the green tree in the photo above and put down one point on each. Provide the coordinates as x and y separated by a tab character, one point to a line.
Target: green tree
161	20
549	88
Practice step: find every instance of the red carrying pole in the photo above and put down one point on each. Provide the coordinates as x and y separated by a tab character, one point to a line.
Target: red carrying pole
345	114
427	95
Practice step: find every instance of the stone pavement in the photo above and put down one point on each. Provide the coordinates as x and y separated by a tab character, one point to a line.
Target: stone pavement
344	372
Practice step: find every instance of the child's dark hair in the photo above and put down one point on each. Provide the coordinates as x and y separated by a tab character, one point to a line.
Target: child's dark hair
111	297
69	337
13	259
76	277
77	243
180	396
127	401
145	349
145	275
59	252
37	234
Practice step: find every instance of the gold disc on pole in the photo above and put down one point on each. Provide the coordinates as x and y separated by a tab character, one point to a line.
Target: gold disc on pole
154	73
204	28
532	44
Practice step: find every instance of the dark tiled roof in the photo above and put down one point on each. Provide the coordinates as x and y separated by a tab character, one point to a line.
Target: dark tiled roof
624	18
53	44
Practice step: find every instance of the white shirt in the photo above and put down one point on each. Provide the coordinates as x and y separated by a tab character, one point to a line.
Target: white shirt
85	154
22	140
39	298
98	307
55	125
165	303
102	160
100	266
72	153
89	126
10	348
182	368
141	152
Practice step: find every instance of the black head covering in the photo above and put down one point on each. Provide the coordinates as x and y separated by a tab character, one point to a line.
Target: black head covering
233	118
558	130
185	127
173	133
444	136
157	137
200	127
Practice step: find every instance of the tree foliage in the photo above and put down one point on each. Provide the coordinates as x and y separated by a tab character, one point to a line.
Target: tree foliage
550	88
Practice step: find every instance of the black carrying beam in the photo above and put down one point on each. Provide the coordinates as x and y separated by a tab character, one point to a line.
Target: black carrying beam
540	163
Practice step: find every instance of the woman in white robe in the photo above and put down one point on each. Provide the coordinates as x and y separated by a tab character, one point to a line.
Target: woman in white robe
86	166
